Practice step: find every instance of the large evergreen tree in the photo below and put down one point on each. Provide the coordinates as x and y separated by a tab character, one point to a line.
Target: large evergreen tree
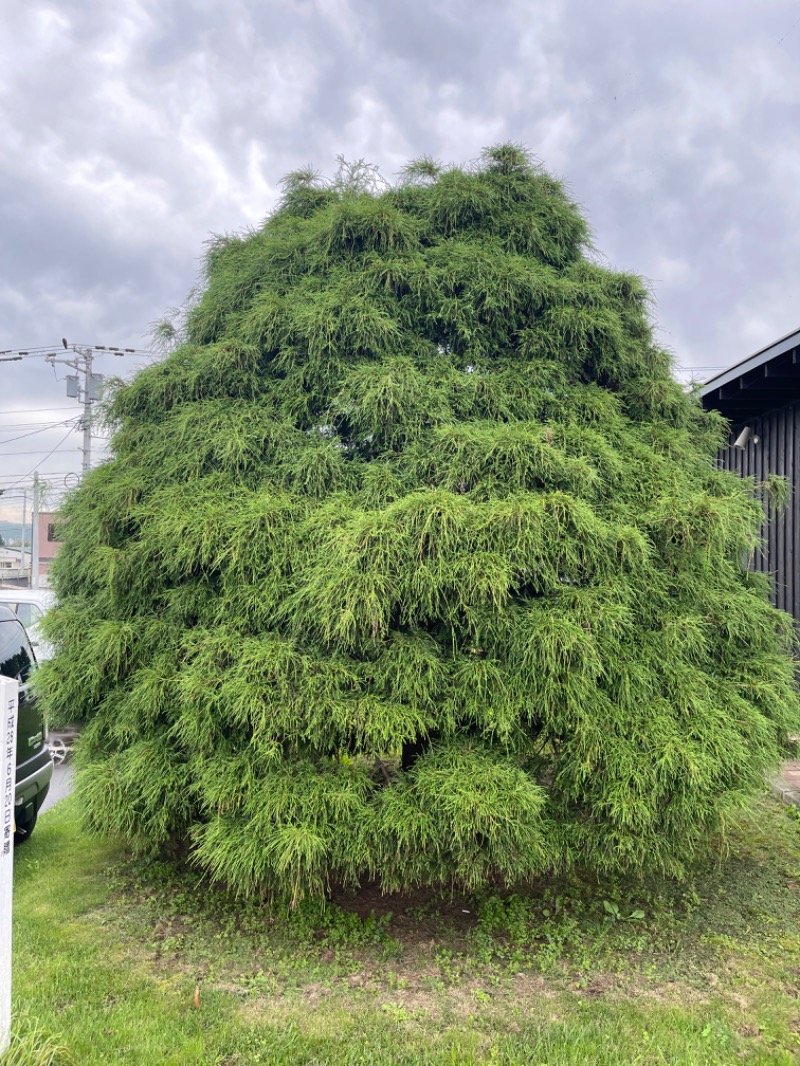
412	561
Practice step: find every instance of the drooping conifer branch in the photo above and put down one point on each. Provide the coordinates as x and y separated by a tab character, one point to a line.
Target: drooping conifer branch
412	561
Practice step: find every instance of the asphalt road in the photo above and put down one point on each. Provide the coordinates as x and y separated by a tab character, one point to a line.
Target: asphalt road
60	786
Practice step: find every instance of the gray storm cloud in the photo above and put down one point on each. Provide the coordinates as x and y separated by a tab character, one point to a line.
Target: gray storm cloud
132	132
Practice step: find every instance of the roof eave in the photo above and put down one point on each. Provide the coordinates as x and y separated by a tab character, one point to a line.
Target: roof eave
752	362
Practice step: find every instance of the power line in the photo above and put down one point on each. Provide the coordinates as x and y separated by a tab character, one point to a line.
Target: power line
43	429
41	451
32	423
35	410
49	474
9	427
14	355
33	469
37	421
114	350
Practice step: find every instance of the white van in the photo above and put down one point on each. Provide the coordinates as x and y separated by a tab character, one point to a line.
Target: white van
29	605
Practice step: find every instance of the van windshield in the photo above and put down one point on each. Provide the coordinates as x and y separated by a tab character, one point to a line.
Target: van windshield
15	657
28	613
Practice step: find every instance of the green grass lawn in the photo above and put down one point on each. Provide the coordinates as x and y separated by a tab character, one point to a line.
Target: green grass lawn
123	961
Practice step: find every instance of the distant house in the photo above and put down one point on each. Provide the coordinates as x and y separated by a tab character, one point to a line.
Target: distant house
761	398
49	545
13	562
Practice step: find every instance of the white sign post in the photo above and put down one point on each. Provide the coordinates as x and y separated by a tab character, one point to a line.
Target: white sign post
9	696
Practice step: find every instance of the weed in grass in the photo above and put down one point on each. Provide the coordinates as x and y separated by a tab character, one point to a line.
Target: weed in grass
326	923
260	983
395	1012
611	908
32	1046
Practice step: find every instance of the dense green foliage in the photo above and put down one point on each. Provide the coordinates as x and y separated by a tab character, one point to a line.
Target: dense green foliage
413	562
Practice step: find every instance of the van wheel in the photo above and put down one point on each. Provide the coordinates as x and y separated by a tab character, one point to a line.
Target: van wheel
24	829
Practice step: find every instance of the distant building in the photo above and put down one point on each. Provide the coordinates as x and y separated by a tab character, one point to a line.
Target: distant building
15	565
49	546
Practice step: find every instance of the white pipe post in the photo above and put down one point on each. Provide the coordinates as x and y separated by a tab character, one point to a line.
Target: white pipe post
9	696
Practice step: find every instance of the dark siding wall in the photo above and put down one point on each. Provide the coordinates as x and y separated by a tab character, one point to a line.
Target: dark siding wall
777	452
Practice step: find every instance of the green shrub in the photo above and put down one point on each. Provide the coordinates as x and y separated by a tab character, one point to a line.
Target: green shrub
413	562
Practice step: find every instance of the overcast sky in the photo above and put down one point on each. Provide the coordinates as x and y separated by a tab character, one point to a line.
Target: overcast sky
131	132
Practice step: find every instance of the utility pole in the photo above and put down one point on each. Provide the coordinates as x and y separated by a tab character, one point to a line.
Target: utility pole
86	391
87	409
24	536
35	536
84	385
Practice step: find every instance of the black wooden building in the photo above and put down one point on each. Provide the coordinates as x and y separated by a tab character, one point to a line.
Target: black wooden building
761	397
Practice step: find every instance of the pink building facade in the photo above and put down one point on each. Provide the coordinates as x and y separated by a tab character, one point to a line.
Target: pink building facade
48	545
